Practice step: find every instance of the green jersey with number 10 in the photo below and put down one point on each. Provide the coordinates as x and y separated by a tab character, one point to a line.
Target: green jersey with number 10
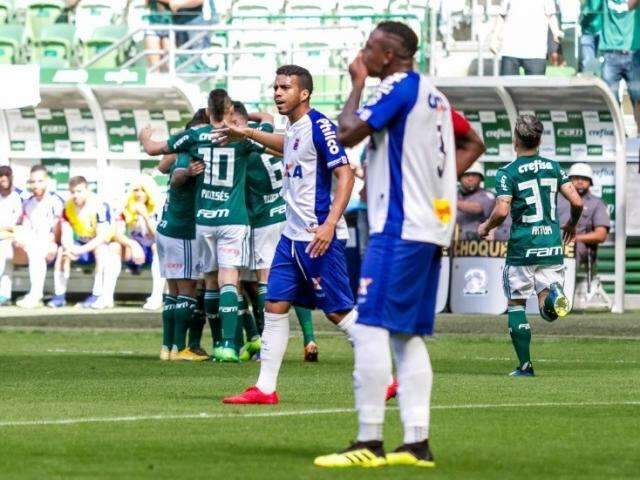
533	183
220	194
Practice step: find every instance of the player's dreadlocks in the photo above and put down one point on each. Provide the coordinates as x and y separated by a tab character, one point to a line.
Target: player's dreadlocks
404	33
529	131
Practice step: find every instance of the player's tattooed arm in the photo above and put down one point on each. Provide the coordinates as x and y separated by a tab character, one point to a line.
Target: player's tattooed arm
351	129
152	147
575	201
469	148
181	175
324	233
498	216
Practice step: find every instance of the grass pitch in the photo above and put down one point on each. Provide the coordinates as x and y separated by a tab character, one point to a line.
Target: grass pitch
78	401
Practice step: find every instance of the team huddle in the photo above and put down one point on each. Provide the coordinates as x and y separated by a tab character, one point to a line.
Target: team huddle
254	216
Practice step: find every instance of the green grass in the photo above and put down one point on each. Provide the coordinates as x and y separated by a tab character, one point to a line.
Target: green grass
579	418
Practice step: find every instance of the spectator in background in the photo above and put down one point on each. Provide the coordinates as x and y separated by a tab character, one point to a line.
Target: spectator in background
520	35
40	222
10	211
591	26
474	203
191	13
620	44
135	241
159	14
594	223
86	231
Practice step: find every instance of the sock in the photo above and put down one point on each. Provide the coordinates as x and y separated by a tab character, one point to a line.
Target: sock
415	378
248	322
98	282
5	278
306	324
198	320
520	332
211	307
111	273
229	315
168	321
239	335
183	312
60	281
37	272
158	281
274	345
258	307
348	323
372	368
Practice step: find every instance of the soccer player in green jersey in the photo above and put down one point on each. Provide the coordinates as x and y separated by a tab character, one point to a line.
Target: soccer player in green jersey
222	222
528	188
267	218
177	252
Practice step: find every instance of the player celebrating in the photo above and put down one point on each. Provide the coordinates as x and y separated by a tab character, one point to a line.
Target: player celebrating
309	267
411	197
86	231
528	189
267	208
221	218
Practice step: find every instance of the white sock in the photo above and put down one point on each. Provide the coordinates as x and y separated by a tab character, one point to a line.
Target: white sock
347	324
37	272
60	281
111	273
415	378
275	337
98	282
158	281
371	373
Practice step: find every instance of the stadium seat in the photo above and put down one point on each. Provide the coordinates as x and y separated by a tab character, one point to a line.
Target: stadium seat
54	48
296	10
92	14
250	72
42	13
11	41
6	11
102	38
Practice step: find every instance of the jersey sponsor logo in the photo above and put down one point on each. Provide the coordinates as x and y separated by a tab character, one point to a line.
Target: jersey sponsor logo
330	137
180	141
270	198
291	171
227	309
122	131
206	137
541	230
280	210
210	214
436	102
215	195
535	166
543	252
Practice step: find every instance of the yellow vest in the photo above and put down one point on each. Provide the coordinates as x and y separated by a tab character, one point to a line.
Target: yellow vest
84	222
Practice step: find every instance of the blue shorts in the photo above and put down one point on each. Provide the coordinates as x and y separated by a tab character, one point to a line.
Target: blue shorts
321	282
87	258
399	285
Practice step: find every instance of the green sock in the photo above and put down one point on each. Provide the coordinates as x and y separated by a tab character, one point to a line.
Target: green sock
197	325
183	314
229	315
211	307
168	321
258	307
306	324
520	332
248	322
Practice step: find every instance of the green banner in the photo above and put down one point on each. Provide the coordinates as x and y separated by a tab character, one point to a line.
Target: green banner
54	132
494	128
58	172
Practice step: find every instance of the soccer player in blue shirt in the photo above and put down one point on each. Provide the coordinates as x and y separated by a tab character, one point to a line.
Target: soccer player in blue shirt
413	160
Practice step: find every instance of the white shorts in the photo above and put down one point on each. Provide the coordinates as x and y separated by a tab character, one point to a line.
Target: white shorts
264	242
224	246
178	258
520	282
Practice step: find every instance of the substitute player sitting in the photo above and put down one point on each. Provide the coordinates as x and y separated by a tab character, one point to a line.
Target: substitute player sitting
10	212
86	232
309	268
528	189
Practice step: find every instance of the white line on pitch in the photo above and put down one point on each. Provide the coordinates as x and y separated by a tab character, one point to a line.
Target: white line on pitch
296	413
